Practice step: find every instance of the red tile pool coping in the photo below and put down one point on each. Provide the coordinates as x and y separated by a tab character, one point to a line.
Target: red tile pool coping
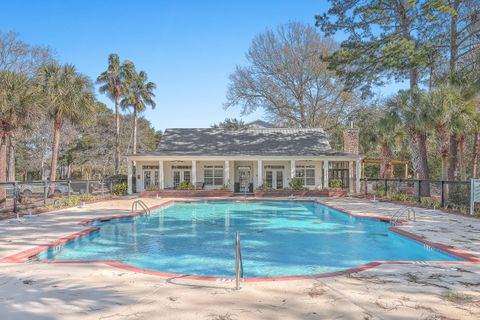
26	255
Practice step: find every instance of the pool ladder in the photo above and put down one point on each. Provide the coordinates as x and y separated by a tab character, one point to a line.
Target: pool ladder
142	204
409	211
238	261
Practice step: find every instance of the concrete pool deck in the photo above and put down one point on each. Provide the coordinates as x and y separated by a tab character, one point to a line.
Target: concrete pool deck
99	291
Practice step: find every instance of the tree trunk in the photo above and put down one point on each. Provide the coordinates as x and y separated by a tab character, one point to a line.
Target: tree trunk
57	126
454	39
3	169
387	155
11	160
461	158
475	155
441	135
423	172
134	130
117	136
453	157
415	155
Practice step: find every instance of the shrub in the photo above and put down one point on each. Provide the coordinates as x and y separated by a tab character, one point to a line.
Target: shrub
297	184
120	189
264	187
185	185
336	184
152	187
430	202
74	200
379	193
399	196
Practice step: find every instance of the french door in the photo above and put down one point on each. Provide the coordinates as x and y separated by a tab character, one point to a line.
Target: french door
150	177
274	179
181	175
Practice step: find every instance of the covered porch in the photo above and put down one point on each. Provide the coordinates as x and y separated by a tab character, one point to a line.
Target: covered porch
242	175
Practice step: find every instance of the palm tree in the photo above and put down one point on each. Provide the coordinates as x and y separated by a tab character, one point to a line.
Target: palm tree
138	95
413	112
19	100
69	95
112	83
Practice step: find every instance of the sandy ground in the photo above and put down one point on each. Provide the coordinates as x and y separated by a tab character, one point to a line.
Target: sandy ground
97	291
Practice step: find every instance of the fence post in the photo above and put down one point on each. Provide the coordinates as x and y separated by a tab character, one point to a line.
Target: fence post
87	189
366	186
386	187
419	191
15	196
69	187
442	193
45	192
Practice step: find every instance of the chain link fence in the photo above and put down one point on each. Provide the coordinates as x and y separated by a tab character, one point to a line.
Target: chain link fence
23	195
431	193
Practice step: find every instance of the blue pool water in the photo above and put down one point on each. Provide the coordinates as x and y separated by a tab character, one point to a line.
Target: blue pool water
277	238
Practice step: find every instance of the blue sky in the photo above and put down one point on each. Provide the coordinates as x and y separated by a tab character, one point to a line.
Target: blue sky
188	48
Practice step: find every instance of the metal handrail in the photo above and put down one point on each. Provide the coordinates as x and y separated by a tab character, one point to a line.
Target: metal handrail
142	204
398	214
238	261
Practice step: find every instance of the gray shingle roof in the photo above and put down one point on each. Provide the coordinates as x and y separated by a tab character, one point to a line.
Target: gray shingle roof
249	142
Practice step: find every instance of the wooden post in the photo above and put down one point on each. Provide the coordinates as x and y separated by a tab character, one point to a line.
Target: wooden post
406	170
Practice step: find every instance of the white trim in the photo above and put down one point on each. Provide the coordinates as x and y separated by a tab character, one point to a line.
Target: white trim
325	174
260	173
194	173
226	174
129	176
245	158
161	175
293	169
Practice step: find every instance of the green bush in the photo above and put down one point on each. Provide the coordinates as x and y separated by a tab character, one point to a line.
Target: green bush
297	184
75	200
152	187
264	187
336	184
120	189
430	202
399	196
186	185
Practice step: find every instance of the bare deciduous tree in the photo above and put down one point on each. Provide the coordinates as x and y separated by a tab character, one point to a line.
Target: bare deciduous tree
288	79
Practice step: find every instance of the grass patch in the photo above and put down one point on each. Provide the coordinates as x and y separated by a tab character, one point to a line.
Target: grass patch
457	297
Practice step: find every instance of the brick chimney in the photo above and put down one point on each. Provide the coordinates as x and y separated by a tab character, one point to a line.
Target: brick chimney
351	140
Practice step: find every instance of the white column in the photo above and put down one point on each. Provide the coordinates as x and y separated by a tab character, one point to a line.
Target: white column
351	175
161	175
292	169
260	173
325	174
129	176
359	173
194	173
226	174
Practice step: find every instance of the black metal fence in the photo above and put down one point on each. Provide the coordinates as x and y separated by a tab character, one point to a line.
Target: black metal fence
22	195
432	193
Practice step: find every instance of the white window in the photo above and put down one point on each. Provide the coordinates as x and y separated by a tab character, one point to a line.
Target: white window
306	174
213	175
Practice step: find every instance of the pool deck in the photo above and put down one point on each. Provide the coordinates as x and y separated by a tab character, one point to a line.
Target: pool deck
100	291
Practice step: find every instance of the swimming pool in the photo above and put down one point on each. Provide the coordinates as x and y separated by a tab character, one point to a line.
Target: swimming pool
278	238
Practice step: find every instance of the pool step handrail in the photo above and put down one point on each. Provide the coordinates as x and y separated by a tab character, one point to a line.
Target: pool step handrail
142	204
238	261
409	211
